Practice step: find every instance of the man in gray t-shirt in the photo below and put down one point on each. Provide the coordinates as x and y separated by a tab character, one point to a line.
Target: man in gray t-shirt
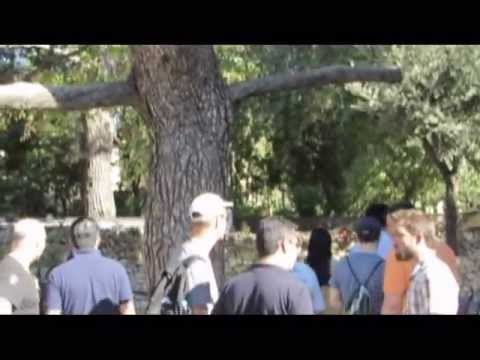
201	283
209	217
358	267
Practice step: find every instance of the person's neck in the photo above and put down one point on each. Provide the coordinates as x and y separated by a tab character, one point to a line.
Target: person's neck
85	250
204	243
368	247
274	260
422	253
23	259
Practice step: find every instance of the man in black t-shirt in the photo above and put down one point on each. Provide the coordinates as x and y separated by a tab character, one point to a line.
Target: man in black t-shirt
19	293
268	287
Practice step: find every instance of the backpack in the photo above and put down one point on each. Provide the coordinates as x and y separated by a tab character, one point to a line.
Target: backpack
360	302
469	305
169	296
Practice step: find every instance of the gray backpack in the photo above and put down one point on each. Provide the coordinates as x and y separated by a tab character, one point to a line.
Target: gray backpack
169	296
360	302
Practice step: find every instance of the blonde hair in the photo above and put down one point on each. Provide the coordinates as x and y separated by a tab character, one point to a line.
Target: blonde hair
416	222
198	229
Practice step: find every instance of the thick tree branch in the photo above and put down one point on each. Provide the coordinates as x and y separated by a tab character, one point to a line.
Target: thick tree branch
312	78
33	96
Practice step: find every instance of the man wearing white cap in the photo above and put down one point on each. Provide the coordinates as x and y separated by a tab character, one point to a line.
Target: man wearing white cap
208	214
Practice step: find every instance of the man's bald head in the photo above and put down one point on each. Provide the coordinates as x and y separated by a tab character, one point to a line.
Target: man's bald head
29	235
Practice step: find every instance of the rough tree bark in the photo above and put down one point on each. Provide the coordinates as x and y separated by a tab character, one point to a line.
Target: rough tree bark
451	212
97	145
451	188
186	105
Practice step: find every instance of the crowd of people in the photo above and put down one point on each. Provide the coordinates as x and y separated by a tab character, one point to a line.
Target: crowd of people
397	266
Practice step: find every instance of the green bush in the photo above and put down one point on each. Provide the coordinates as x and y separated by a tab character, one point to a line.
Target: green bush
128	204
306	198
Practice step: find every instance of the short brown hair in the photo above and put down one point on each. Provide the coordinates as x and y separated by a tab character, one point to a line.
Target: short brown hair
199	228
271	232
84	232
416	222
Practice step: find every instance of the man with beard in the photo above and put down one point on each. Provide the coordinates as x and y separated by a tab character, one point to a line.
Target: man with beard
433	288
397	273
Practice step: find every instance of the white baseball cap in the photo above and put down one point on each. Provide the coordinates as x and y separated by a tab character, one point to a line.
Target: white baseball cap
207	206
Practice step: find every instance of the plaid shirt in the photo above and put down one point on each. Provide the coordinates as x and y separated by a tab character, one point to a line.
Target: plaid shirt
433	288
418	296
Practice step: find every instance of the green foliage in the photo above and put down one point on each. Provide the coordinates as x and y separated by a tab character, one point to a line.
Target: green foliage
434	112
303	152
294	150
339	148
134	146
306	199
40	171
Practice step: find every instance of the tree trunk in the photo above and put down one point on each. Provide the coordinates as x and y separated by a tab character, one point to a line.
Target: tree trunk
451	212
450	180
97	145
185	104
64	206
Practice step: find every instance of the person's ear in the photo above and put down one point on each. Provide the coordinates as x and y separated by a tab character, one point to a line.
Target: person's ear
217	225
418	239
38	244
283	246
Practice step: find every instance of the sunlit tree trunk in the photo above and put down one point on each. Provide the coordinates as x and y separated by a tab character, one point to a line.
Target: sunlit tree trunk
185	104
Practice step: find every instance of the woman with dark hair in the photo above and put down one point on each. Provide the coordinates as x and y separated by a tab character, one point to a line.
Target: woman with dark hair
309	275
320	254
319	259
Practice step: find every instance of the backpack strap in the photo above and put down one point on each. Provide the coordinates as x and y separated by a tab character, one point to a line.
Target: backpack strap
353	272
187	262
464	302
377	265
369	276
472	302
169	273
